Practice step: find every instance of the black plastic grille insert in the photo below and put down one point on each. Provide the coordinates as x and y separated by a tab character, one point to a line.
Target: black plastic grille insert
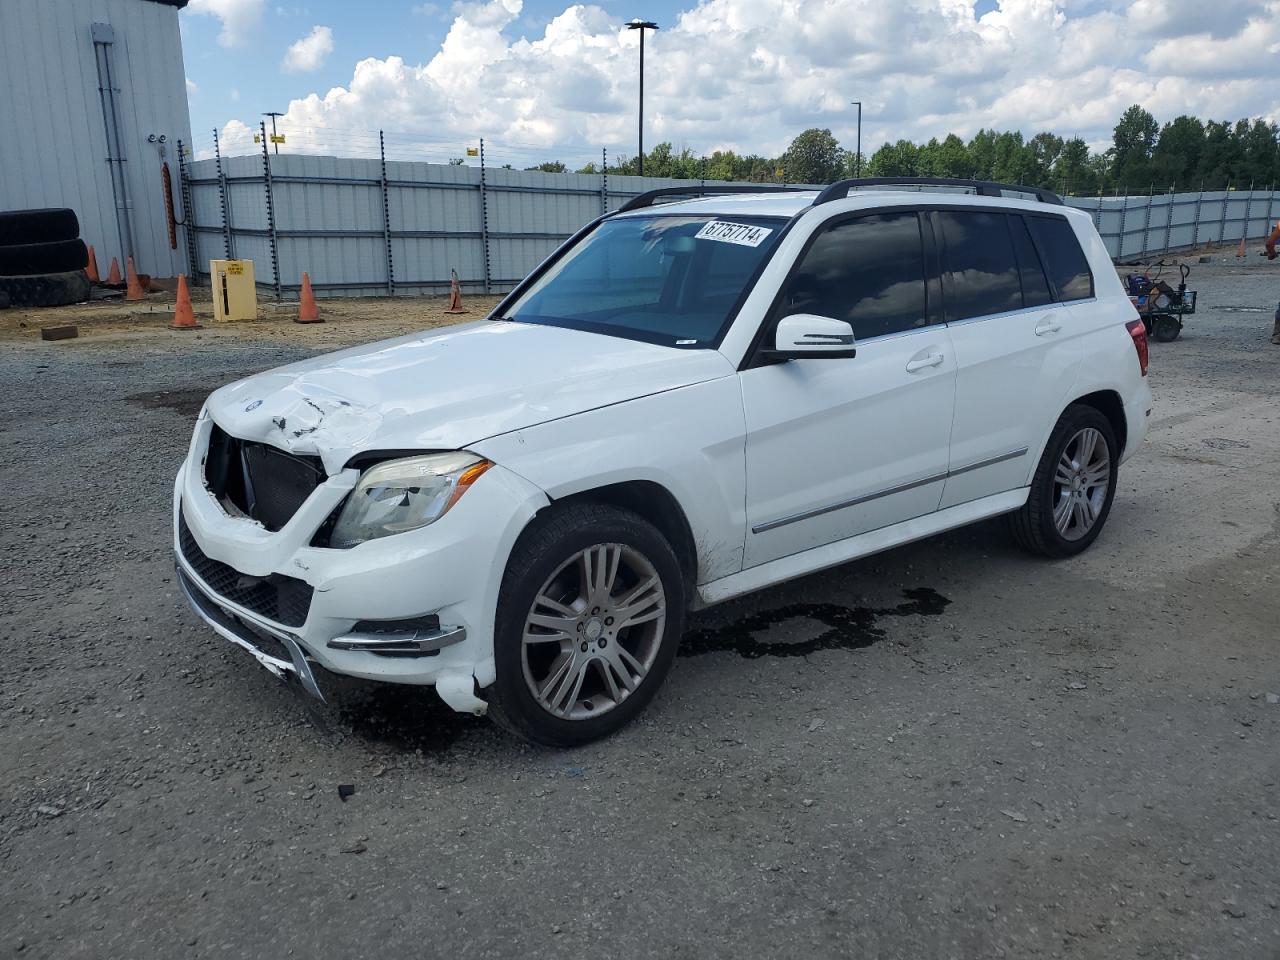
282	599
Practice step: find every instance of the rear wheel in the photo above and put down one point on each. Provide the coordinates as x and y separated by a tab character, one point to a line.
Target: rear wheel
591	609
1165	328
1073	486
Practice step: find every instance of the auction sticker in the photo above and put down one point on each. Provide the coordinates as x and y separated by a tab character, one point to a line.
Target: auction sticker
739	233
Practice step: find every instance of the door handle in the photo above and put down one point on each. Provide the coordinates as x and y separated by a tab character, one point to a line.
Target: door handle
932	360
1046	327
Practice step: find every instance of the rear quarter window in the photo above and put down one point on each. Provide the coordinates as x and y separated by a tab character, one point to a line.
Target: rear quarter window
1064	261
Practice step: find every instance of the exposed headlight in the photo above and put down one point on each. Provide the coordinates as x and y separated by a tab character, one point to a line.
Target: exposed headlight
406	494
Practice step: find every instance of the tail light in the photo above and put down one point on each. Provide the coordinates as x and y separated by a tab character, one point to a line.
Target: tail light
1139	333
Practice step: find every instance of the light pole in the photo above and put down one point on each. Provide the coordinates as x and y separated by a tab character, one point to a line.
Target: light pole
642	26
857	157
273	114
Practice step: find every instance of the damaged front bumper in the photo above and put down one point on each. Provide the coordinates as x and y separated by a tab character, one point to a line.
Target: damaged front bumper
416	608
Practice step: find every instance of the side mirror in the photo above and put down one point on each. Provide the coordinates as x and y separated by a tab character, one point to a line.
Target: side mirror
804	336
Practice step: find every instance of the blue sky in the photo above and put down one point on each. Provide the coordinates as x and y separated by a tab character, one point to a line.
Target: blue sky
246	79
547	79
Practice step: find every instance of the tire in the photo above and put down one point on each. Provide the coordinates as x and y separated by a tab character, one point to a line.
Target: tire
38	226
46	289
546	578
4	300
1166	329
1036	526
59	256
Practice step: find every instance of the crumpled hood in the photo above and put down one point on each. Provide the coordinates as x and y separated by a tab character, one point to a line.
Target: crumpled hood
444	390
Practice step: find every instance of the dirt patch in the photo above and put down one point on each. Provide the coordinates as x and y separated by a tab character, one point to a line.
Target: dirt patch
347	321
186	403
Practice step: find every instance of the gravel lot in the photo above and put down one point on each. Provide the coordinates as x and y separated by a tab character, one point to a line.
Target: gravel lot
950	750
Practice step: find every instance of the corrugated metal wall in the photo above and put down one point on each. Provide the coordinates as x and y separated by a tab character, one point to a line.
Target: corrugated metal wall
1139	226
329	220
53	144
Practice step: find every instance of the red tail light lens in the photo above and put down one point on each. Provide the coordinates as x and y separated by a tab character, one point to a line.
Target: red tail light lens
1139	334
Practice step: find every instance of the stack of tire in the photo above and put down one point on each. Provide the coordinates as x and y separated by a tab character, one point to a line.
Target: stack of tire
42	258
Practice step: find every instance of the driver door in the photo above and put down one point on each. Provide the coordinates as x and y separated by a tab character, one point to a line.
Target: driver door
839	447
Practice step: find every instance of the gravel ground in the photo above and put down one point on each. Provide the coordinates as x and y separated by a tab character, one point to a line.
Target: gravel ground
949	750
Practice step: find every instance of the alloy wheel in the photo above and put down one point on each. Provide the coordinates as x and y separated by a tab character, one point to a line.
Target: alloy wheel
1081	481
593	631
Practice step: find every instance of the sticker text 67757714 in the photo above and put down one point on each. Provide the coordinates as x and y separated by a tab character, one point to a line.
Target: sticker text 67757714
740	233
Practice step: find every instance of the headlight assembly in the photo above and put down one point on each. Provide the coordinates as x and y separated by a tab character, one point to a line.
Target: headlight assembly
401	495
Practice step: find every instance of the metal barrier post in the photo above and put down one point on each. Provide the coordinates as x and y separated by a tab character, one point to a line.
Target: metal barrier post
604	180
1168	218
484	219
271	210
1222	222
1124	215
1195	235
1248	213
386	218
1146	220
188	211
222	197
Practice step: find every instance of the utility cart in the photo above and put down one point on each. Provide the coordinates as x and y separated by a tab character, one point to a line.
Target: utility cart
1161	306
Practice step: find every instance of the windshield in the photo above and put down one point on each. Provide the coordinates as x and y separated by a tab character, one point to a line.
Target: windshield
665	279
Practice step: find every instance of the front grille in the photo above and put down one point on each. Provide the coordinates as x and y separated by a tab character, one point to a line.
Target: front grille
259	480
284	600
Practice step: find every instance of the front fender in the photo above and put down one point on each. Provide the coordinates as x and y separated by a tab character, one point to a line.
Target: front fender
688	440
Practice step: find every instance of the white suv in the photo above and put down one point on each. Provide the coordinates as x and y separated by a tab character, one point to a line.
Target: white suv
691	399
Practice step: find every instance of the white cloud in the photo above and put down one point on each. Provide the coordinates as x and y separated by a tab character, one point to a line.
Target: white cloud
240	18
310	52
192	89
235	95
751	74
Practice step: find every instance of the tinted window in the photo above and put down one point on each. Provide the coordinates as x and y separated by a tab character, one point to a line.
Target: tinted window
667	278
868	272
1063	259
1035	288
983	269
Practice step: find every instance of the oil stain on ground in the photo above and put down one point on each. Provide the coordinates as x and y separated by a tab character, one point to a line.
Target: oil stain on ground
848	628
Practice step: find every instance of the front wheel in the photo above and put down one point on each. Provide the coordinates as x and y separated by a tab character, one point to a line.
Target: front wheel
1073	486
591	609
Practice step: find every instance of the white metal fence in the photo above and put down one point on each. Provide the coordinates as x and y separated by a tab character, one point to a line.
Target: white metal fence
395	228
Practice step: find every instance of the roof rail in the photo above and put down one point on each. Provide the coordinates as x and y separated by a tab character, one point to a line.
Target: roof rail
984	188
647	198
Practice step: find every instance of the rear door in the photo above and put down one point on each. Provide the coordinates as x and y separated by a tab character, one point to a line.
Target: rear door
838	447
1016	350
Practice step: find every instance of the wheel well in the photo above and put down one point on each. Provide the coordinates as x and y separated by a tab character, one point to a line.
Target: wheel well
1109	404
656	504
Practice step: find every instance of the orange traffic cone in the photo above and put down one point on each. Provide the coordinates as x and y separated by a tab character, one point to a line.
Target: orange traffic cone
1240	251
133	291
307	310
184	317
455	294
113	275
91	271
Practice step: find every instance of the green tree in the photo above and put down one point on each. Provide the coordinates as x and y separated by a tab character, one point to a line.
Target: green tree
1134	140
813	157
1044	150
1177	152
550	166
901	159
1071	173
